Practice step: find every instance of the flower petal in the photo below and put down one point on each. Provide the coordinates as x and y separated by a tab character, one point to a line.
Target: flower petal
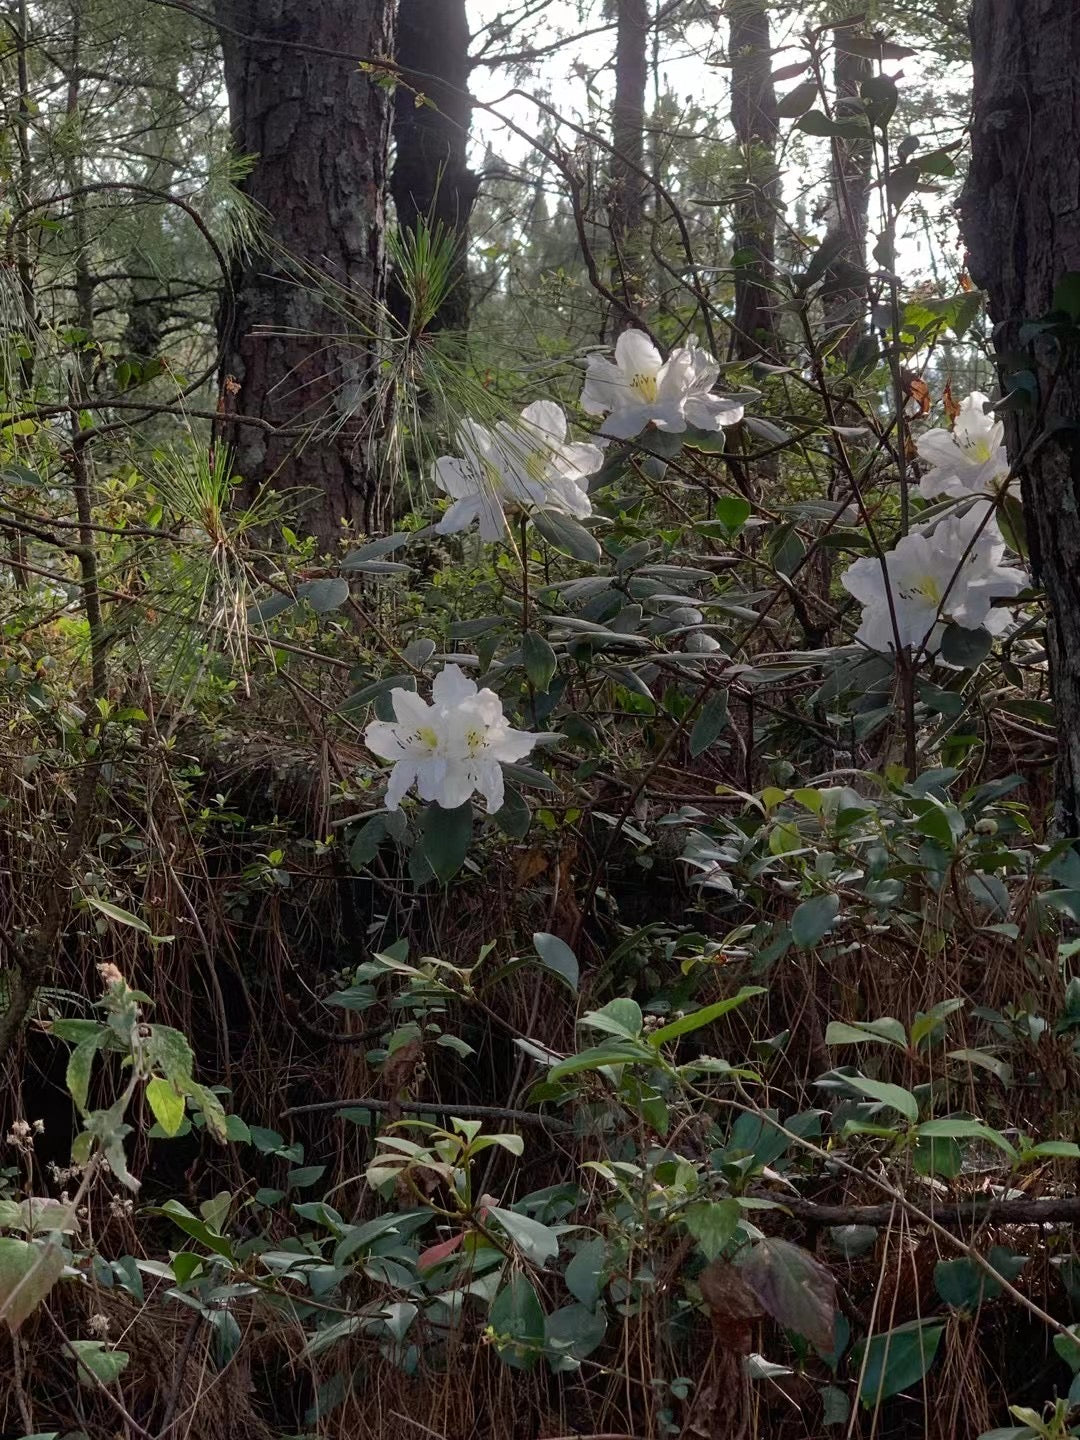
452	686
635	354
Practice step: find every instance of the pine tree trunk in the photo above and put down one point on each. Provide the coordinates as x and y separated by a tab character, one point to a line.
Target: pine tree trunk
753	114
844	298
431	178
300	330
626	204
1021	209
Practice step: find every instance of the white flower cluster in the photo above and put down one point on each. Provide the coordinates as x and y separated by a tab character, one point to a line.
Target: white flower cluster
970	458
524	465
948	572
529	464
450	748
456	746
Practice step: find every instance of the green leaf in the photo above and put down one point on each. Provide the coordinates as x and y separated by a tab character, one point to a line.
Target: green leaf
797	100
892	1095
97	1363
711	721
324	596
540	660
587	1271
114	912
712	1224
366	842
571	1334
796	1290
862	1032
965	648
705	1016
567	536
518	1324
957	1128
514	816
813	919
376	549
167	1104
557	956
168	1050
28	1271
618	1017
898	1359
269	609
816	122
80	1063
880	96
445	836
536	1242
614	1053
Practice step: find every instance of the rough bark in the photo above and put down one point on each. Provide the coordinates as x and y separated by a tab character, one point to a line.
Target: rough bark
844	296
1021	211
753	114
626	202
431	179
300	329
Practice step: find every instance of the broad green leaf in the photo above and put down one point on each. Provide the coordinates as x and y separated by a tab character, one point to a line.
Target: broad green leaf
898	1359
80	1064
115	912
705	1016
536	1242
892	1095
540	660
167	1104
862	1032
445	839
324	595
517	1322
709	724
613	1053
587	1271
965	648
556	955
169	1050
813	919
97	1363
712	1224
957	1128
567	536
571	1334
617	1017
28	1271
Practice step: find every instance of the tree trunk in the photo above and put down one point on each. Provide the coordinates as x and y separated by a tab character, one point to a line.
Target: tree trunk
431	178
626	204
300	330
1021	210
753	114
844	296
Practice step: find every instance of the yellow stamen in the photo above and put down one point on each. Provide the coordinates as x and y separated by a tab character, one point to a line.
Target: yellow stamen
645	385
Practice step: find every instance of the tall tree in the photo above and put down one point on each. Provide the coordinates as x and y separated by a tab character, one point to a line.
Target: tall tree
300	329
753	114
844	296
626	202
431	178
1022	227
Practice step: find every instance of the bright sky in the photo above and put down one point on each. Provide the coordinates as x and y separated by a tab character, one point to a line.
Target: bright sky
578	80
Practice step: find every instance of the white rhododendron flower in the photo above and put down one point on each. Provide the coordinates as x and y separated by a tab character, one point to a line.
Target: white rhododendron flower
642	388
450	748
970	458
527	464
934	579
